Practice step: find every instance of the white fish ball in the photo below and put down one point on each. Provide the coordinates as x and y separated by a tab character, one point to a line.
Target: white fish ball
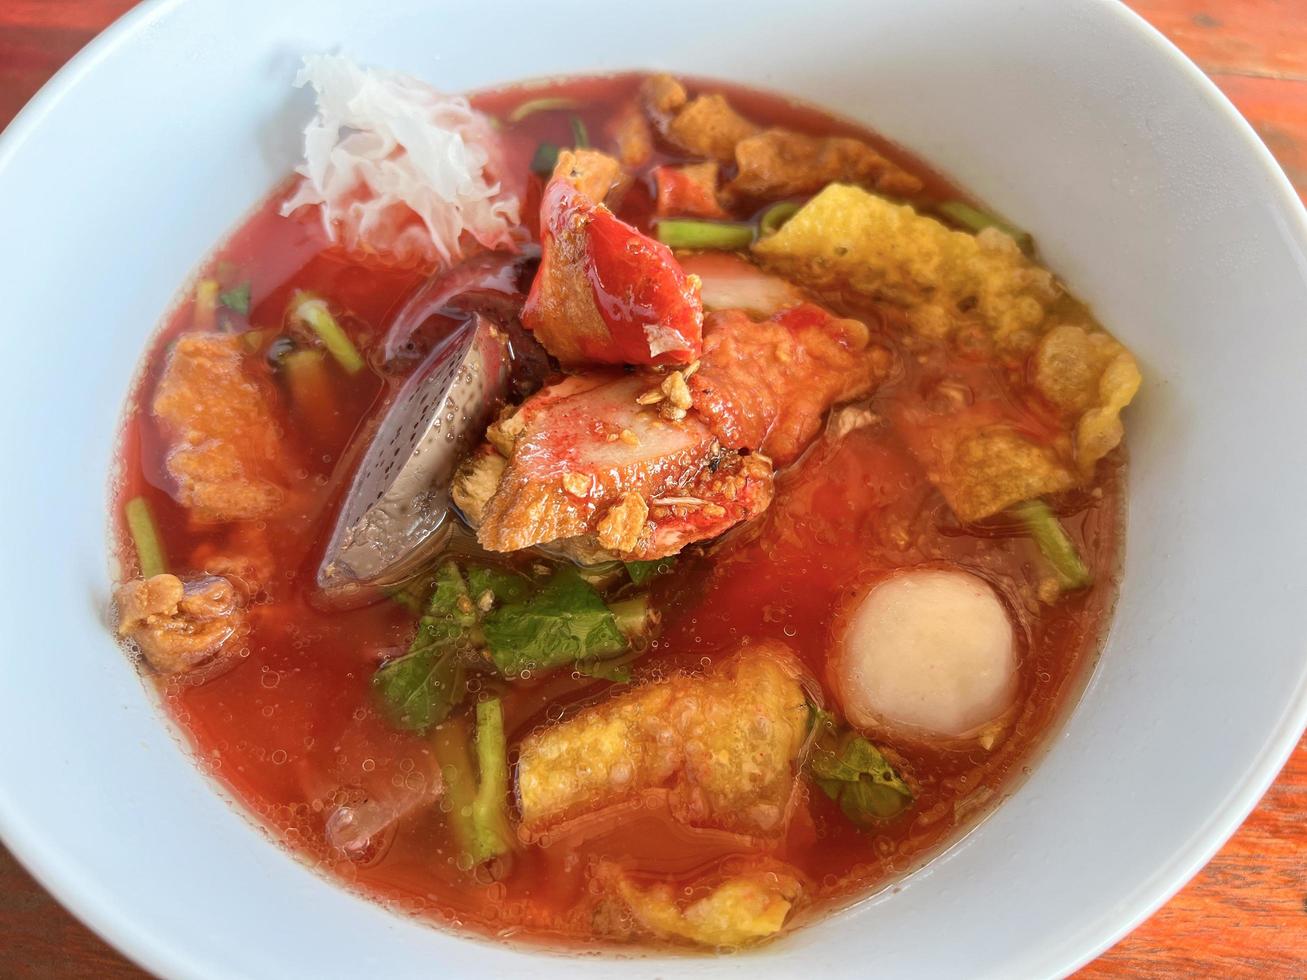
928	652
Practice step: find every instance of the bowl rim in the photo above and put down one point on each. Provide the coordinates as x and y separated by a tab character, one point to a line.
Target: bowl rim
41	854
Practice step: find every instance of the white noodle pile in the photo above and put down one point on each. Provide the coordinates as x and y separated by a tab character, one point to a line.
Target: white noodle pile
399	171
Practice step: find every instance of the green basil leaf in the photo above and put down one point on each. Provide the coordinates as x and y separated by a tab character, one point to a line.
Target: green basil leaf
564	622
855	774
863	757
237	299
419	689
643	571
450	613
545	159
409	596
864	802
831	787
504	585
825	764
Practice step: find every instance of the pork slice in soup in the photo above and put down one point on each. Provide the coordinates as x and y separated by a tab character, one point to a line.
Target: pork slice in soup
796	532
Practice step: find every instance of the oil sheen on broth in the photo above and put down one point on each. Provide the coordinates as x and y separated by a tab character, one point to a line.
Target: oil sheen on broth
881	487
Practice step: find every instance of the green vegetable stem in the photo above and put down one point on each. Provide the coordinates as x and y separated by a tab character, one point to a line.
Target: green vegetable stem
313	311
777	215
547	104
205	312
494	835
633	616
309	383
145	536
688	233
973	219
1054	543
478	805
580	135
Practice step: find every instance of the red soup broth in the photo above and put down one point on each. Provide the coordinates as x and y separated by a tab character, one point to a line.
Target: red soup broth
289	725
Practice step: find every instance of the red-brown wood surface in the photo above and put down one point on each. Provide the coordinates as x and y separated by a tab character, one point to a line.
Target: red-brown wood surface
1245	914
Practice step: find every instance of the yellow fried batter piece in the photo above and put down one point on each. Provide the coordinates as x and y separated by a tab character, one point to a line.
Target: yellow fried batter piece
722	749
708	126
225	455
780	163
888	251
634	137
663	95
592	173
178	625
769	163
1092	377
737	911
982	472
476	481
978	292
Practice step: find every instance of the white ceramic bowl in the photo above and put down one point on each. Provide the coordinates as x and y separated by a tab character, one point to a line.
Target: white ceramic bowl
1145	190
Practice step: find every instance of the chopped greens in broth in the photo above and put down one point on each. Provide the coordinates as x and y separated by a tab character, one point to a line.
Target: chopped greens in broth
797	529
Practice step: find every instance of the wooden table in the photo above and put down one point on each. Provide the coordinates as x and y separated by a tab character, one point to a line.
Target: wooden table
1245	914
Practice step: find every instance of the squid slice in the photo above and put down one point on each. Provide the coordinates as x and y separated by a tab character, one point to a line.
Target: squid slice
728	282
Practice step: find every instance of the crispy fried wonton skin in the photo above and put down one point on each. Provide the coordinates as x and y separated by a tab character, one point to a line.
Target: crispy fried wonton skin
981	294
721	749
